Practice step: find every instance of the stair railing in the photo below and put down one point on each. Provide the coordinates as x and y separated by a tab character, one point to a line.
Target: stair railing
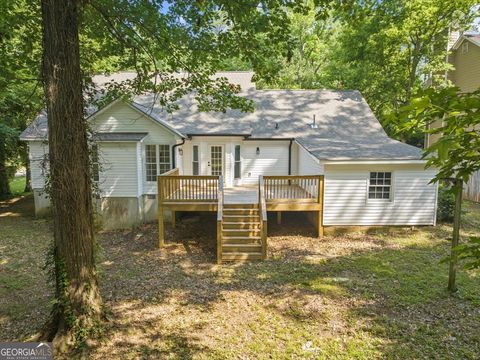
262	210
219	219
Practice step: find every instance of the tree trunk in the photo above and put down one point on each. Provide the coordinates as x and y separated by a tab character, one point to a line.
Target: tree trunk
28	178
452	287
4	186
28	172
78	299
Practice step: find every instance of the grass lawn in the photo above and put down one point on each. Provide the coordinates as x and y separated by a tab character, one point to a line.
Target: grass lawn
17	185
380	295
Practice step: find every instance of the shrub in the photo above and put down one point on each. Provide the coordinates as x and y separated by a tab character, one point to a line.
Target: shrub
446	204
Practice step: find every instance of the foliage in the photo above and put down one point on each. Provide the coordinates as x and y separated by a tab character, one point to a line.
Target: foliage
457	152
385	49
469	253
446	204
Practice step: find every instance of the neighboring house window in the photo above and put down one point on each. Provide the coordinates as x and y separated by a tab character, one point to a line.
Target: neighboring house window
195	163
238	163
380	185
157	160
151	162
465	47
164	158
95	164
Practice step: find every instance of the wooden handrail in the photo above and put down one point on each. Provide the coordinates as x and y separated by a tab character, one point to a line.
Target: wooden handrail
173	172
187	188
292	188
219	219
263	215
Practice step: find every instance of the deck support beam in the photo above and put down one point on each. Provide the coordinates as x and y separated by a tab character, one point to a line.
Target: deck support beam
279	217
173	218
161	228
320	224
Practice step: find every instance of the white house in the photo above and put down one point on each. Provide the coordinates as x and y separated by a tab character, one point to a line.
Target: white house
370	179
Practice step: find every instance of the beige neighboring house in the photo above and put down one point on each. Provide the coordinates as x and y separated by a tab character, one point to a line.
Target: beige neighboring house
464	55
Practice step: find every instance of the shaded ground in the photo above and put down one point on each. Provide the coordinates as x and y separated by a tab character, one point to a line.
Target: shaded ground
360	296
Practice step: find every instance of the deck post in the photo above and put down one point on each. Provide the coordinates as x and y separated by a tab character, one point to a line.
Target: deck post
320	201
279	217
161	228
173	218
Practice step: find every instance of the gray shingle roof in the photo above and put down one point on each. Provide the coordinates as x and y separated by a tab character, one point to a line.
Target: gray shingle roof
119	136
346	127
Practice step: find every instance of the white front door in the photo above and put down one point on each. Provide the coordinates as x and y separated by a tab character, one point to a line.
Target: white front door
216	162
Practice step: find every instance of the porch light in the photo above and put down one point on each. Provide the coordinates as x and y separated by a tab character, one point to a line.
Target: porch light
180	151
258	151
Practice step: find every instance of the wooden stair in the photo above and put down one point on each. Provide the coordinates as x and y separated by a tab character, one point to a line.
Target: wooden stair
241	233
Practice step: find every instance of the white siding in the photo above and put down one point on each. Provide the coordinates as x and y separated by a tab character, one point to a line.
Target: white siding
118	176
38	151
307	164
121	117
346	203
272	160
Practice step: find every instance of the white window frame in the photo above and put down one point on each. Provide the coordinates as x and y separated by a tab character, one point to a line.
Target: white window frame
391	186
157	163
197	161
239	161
95	163
163	163
150	163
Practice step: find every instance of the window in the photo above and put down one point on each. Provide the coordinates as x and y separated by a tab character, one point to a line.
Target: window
164	158
380	185
195	163
151	162
157	160
95	165
238	163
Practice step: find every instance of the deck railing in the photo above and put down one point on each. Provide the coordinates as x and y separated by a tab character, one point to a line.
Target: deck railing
179	188
262	210
304	188
219	220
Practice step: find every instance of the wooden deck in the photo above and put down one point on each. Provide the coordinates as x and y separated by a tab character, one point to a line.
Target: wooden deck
239	207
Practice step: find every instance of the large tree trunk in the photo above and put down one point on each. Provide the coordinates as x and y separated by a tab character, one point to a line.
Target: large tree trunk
28	177
4	187
77	292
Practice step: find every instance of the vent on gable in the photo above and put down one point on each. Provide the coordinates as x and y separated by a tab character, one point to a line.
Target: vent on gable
464	47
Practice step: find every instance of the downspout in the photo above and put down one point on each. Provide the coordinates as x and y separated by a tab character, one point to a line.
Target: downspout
290	157
173	152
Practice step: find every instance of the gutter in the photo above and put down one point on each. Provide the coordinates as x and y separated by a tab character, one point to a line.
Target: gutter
173	152
290	157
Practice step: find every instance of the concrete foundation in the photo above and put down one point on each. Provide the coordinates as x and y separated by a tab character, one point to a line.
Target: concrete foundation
112	212
42	203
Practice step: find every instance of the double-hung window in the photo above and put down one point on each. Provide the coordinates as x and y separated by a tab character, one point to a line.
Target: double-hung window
238	163
380	185
195	162
95	163
157	160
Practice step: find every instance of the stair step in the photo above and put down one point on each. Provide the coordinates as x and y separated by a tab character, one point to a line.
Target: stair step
240	241
240	238
240	217
239	256
240	225
240	206
240	232
240	211
243	248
